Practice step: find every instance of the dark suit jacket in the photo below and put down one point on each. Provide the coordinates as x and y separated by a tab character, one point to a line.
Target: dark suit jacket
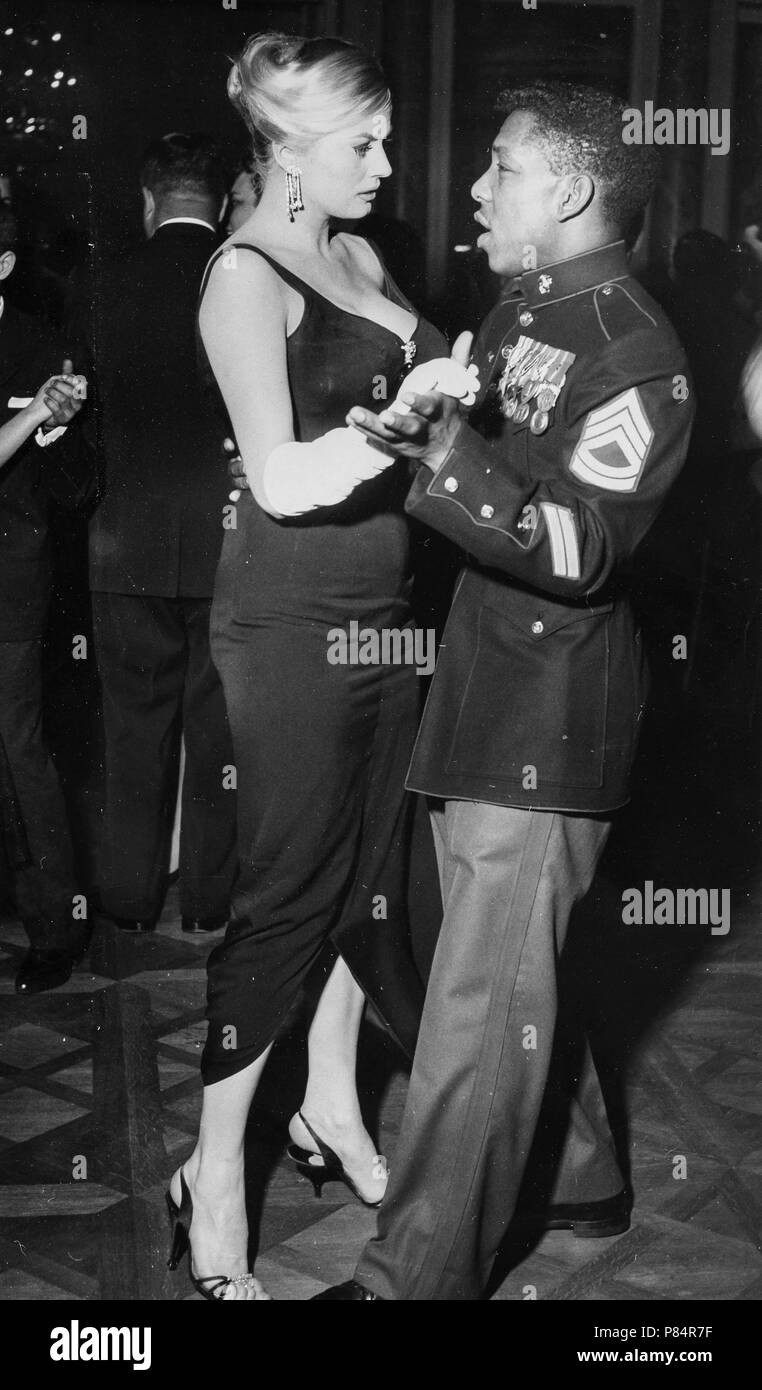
34	480
159	526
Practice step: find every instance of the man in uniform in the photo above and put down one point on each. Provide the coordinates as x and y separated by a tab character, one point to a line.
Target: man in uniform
528	737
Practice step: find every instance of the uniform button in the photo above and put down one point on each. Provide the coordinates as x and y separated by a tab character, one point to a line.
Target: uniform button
451	484
538	627
526	318
487	512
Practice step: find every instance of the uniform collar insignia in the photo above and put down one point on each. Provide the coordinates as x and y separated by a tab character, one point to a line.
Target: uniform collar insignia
551	282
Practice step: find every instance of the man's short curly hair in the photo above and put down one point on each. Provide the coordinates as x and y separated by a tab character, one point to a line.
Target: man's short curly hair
579	129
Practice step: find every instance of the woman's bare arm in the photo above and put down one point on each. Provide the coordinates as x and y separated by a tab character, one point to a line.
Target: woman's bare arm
243	324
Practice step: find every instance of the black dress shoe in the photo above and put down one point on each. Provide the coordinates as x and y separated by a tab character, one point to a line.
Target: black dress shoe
199	924
138	925
41	970
351	1291
587	1220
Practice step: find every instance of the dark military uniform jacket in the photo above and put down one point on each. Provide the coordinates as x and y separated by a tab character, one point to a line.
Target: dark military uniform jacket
540	681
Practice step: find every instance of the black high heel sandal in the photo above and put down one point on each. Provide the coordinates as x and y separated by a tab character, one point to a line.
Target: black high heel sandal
181	1217
330	1170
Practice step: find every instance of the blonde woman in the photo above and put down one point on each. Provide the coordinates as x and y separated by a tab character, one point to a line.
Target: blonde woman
298	325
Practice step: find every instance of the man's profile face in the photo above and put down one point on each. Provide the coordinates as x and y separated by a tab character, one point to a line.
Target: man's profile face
518	198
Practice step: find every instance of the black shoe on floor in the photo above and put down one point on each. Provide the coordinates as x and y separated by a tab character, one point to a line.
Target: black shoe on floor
201	924
136	925
587	1220
350	1291
41	970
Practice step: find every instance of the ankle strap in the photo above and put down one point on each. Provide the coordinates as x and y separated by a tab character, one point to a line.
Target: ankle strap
323	1149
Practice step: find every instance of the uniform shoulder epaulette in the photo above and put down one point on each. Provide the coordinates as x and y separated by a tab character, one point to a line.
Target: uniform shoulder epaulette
624	306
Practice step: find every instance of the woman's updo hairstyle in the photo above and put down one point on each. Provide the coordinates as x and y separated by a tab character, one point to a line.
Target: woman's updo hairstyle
293	90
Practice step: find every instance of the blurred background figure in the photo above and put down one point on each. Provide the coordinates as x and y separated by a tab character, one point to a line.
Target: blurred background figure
402	250
717	329
52	464
245	192
155	541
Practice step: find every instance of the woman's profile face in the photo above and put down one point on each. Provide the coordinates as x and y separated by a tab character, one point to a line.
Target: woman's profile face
243	201
342	172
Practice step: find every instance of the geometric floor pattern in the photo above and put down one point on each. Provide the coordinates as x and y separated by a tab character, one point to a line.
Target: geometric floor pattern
100	1094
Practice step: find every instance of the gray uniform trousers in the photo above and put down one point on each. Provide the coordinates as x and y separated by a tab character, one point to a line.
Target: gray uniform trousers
510	878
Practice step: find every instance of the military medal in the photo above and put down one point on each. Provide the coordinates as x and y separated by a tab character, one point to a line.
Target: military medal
532	381
512	379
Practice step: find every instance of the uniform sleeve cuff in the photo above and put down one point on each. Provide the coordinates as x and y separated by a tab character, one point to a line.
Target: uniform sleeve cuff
463	477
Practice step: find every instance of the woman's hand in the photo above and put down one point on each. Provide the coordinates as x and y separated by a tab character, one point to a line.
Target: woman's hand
426	432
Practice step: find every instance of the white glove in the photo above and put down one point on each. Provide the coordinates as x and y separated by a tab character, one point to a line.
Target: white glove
441	374
297	478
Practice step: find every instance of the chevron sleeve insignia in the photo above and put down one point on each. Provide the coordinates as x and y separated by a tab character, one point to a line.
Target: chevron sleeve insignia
615	442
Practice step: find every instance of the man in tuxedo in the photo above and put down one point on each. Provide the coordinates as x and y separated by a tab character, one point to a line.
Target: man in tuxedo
154	545
54	466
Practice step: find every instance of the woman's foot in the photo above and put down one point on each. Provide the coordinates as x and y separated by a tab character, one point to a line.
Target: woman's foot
219	1231
352	1145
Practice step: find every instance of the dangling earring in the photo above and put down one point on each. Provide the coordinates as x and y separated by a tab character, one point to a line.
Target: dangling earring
294	190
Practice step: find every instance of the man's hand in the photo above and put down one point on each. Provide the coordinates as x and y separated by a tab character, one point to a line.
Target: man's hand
428	431
235	469
63	395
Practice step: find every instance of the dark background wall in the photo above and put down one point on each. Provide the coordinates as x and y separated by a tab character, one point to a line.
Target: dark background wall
143	67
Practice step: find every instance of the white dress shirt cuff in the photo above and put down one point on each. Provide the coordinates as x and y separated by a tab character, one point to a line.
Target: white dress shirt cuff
44	439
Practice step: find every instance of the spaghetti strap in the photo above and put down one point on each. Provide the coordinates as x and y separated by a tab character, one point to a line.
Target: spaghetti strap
288	275
303	287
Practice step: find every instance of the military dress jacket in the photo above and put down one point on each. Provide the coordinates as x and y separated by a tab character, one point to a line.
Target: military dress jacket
580	429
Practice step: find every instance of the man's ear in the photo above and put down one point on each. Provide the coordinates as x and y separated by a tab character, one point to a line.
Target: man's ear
7	262
575	194
149	210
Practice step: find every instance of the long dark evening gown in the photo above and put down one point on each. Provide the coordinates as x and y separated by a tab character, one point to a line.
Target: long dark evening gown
321	749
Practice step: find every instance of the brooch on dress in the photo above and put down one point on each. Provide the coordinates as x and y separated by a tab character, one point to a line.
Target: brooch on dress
410	349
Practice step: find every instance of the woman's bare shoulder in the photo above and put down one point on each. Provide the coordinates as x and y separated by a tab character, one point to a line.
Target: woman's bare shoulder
238	275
